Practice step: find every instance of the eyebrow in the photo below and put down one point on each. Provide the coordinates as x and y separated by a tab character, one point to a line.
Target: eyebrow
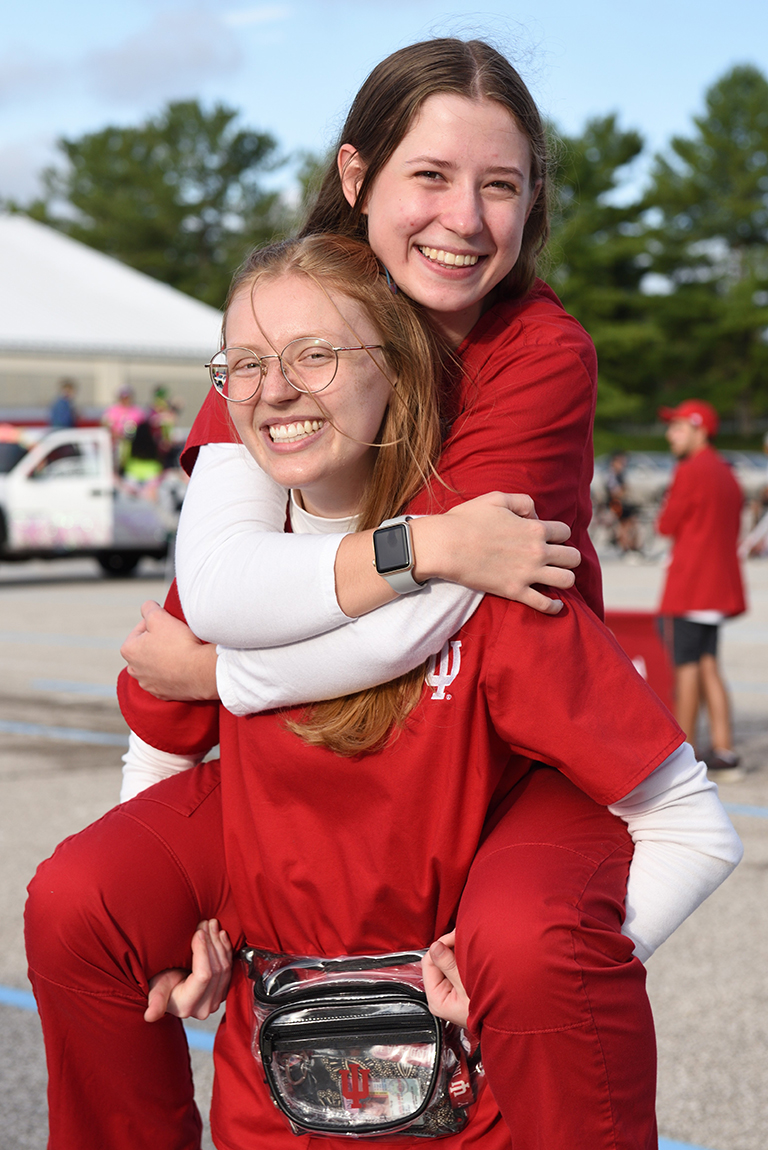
433	162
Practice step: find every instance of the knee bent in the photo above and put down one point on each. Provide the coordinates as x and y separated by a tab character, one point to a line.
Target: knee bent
57	910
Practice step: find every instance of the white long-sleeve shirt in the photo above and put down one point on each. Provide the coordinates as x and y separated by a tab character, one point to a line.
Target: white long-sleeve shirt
269	599
685	844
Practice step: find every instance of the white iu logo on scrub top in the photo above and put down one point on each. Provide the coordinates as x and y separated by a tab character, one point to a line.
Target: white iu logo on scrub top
444	668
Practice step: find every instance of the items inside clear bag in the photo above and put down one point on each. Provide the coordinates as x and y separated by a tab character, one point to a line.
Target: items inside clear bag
349	1046
352	1067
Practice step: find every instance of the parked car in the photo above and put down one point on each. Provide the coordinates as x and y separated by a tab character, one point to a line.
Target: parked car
59	496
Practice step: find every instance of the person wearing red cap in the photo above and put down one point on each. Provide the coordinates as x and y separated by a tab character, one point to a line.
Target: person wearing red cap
702	514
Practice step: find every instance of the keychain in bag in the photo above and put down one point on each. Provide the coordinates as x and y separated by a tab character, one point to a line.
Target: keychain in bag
349	1046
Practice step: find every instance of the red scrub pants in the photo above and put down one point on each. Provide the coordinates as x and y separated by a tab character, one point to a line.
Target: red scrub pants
558	1001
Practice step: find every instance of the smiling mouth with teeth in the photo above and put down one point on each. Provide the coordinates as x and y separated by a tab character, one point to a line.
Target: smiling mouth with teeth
449	259
290	432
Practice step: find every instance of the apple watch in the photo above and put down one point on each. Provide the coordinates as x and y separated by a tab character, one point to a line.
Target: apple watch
393	554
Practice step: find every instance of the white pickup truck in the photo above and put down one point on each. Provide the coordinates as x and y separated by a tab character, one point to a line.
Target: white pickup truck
59	495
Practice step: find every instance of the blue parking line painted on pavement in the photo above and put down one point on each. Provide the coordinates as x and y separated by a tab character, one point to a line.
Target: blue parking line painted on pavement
203	1040
199	1039
665	1144
67	734
746	809
22	999
25	1000
69	686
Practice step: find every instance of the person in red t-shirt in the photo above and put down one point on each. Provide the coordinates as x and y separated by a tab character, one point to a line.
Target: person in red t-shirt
380	821
702	513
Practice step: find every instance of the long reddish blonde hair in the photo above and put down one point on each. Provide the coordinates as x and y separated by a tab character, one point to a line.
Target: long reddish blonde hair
409	446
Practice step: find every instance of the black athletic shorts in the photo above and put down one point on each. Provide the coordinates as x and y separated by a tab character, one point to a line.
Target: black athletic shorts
688	641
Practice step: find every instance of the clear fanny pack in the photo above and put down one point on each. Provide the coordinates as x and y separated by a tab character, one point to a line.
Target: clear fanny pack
349	1046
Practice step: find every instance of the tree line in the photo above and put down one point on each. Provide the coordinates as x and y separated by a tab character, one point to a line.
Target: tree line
671	279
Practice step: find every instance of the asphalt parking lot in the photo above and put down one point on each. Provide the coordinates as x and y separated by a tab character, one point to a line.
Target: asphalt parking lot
61	738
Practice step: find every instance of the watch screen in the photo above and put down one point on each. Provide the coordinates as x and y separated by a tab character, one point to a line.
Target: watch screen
390	545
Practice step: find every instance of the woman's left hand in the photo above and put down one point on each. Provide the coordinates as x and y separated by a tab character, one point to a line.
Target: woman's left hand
446	996
198	993
167	659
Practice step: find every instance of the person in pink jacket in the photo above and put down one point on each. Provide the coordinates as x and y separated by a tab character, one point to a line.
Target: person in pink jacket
702	514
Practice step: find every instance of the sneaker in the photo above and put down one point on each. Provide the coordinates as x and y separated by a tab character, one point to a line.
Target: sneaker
724	765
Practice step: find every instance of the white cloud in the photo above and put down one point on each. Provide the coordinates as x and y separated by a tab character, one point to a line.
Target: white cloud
24	73
174	56
21	163
264	14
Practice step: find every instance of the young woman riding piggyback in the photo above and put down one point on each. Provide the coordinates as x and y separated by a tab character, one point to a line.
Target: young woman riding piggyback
442	168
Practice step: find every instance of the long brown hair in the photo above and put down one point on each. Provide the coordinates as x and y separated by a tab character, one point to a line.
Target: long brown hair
384	110
409	439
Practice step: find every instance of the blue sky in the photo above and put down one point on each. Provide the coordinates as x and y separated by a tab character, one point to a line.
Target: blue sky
292	66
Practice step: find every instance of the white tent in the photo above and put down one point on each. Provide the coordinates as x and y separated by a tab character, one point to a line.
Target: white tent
66	309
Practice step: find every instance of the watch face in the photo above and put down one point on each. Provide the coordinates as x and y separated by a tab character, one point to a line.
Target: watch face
390	546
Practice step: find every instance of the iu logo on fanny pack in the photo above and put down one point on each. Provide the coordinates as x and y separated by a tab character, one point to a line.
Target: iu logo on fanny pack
444	668
354	1084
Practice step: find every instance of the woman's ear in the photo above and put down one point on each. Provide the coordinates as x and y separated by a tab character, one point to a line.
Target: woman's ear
351	172
534	197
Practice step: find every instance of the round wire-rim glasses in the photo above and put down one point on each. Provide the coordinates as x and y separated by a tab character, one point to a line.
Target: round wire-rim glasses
309	364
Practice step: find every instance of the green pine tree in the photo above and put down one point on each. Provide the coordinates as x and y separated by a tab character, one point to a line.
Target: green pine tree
596	251
709	239
178	197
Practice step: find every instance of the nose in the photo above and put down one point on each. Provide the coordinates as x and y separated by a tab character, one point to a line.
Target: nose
463	210
275	388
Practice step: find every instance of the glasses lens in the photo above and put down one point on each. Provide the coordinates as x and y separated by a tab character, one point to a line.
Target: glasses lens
236	373
309	364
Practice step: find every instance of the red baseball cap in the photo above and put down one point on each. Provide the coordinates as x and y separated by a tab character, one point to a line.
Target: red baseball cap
698	412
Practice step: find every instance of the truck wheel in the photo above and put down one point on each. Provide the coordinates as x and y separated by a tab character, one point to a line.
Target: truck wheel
118	564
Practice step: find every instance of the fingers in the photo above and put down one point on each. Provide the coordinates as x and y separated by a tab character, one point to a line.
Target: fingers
557	532
206	987
201	991
160	990
521	505
445	991
219	950
127	647
148	608
444	958
540	602
558	556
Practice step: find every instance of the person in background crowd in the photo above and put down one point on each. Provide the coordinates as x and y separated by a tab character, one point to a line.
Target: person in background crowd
756	543
122	418
624	513
162	420
702	514
63	413
143	466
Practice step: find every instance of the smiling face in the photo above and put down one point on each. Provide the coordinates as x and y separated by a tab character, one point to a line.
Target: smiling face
446	212
297	438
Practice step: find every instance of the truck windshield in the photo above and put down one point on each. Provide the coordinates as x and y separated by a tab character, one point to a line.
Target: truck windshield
10	454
